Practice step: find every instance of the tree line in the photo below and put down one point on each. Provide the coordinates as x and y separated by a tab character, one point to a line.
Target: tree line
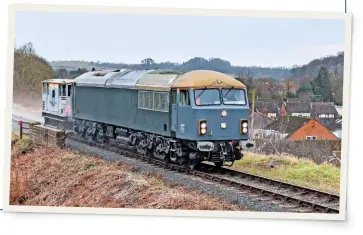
320	79
195	63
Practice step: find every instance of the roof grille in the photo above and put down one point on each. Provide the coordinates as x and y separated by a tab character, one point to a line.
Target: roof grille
100	74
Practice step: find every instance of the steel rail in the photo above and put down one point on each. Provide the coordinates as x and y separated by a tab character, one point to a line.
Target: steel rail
291	196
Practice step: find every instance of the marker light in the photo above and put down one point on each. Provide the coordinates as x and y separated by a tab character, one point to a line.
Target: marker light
202	127
224	113
243	126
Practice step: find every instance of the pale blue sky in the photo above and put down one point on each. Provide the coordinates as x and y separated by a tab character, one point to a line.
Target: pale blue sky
131	38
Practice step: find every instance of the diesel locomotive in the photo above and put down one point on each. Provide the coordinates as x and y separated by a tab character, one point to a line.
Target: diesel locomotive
198	116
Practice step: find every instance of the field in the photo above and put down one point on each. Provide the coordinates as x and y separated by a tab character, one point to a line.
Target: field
324	177
57	177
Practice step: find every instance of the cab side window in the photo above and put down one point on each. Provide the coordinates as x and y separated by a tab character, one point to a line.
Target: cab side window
184	98
173	96
69	90
63	90
44	88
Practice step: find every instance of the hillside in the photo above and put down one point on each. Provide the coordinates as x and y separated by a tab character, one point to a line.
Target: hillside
216	64
334	64
311	69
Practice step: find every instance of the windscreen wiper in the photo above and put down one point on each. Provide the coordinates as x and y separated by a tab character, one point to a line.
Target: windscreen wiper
227	92
201	92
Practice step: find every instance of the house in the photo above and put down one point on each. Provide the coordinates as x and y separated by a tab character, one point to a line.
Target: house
268	107
312	130
323	110
284	126
299	128
298	109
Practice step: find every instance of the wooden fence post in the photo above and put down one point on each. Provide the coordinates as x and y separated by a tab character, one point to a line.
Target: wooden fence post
20	129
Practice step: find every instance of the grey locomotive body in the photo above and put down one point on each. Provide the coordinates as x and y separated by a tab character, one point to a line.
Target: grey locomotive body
198	116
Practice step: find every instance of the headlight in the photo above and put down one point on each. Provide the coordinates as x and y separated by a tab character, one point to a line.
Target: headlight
224	113
243	126
202	127
223	125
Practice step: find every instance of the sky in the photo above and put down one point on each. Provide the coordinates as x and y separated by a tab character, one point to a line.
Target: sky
129	38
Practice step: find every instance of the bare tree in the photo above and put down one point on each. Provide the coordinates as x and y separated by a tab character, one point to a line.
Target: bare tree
246	77
29	71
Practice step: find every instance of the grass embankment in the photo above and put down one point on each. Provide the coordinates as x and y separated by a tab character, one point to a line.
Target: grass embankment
57	177
324	177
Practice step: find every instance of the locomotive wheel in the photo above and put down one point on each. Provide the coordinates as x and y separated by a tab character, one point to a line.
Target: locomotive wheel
218	164
184	163
166	161
193	164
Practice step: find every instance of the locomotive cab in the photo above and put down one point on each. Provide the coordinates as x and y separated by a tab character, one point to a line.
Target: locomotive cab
57	102
212	115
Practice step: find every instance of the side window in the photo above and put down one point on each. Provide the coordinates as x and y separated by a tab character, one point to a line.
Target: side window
53	93
150	100
63	90
69	90
47	88
184	97
173	96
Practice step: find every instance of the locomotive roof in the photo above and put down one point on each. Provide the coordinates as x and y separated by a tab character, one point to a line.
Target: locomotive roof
150	80
59	81
206	78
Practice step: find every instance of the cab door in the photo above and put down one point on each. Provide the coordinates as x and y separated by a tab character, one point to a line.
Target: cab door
53	98
184	129
174	97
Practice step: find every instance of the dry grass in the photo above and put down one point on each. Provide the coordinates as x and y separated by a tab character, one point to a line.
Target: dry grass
55	177
324	177
20	146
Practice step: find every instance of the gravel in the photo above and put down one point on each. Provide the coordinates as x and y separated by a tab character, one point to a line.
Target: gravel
224	192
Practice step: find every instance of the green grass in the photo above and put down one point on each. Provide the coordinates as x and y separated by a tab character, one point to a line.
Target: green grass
324	177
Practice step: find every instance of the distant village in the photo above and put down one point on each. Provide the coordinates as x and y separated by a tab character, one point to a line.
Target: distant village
299	127
296	119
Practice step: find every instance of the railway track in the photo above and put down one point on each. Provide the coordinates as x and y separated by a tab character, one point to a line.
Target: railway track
294	198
